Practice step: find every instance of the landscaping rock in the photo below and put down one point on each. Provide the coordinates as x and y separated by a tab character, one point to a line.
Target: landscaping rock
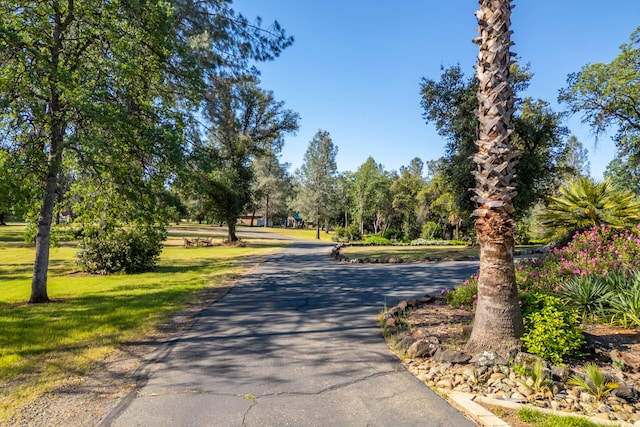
405	343
451	356
560	373
630	360
488	358
423	348
421	333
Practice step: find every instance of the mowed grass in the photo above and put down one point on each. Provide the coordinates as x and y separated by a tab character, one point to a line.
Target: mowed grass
412	253
300	233
51	345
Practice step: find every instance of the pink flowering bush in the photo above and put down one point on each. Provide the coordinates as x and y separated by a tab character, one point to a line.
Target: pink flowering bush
464	296
597	251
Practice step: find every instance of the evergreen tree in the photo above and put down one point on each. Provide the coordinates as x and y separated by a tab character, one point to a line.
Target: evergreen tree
317	176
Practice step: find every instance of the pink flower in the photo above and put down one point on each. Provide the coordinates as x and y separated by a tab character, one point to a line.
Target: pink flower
474	296
461	306
442	292
519	302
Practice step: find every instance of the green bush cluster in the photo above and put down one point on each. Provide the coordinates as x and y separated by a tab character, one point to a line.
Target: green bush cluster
463	296
133	250
350	233
377	240
552	330
432	230
393	234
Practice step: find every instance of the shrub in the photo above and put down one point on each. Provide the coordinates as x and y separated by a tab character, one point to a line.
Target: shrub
377	240
588	294
393	234
625	304
432	230
352	233
553	332
340	235
599	251
133	250
464	296
596	383
349	234
422	242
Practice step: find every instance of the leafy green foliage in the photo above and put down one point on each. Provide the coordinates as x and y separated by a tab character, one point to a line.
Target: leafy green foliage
553	332
247	123
350	233
450	104
539	419
539	380
596	382
377	240
318	178
134	250
625	303
111	85
609	95
598	251
588	294
464	296
584	203
431	230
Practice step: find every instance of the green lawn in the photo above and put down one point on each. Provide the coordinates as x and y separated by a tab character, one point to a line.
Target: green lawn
411	253
300	233
43	346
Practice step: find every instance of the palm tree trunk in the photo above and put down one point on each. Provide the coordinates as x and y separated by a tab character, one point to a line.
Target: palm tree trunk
498	321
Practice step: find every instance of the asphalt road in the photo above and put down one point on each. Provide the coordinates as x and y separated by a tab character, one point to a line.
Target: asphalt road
295	343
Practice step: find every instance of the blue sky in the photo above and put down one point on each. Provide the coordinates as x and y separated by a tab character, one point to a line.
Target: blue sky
356	65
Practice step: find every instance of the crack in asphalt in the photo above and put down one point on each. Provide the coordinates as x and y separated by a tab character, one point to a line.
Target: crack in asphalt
268	395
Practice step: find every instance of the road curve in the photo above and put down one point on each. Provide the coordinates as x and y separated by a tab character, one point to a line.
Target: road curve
295	343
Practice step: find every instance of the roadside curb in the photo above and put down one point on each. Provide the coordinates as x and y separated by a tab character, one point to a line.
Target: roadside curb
466	403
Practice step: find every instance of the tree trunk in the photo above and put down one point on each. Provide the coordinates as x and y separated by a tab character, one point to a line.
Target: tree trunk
346	217
498	321
231	227
266	213
45	218
2	215
253	215
318	225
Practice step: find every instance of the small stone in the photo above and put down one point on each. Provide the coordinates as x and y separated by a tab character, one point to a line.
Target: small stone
560	373
420	334
464	388
557	387
488	358
446	384
525	391
517	397
602	416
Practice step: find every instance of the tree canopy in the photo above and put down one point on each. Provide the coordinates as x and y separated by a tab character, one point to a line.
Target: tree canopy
112	84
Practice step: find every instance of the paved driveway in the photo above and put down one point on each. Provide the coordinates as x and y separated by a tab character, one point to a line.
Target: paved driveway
295	343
